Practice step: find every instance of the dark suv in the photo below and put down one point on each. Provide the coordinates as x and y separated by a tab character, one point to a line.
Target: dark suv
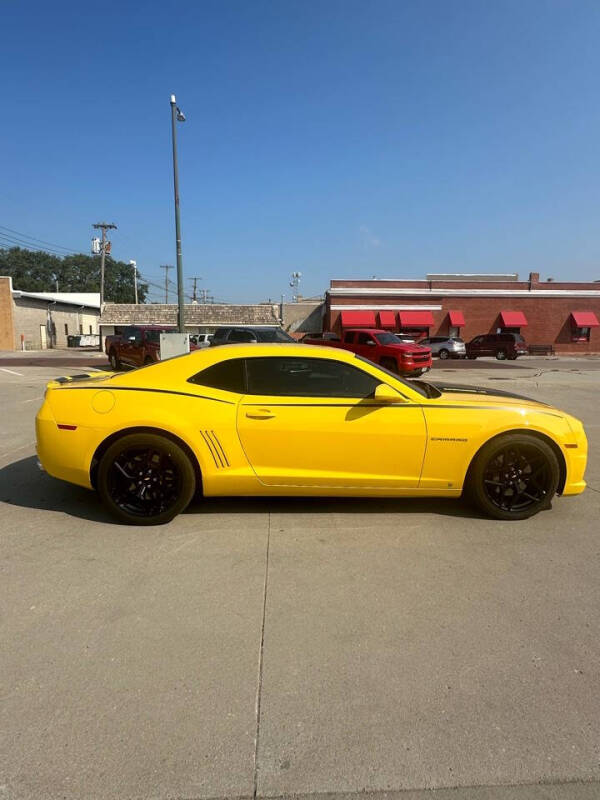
501	345
249	333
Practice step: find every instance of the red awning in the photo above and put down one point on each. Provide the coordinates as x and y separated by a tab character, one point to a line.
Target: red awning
457	319
358	319
513	319
585	319
387	319
416	319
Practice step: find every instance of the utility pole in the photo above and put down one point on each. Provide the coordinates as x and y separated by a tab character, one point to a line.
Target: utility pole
134	265
166	268
295	284
194	291
205	296
104	226
177	116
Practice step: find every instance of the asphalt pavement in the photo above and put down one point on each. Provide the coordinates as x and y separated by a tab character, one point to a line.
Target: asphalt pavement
272	648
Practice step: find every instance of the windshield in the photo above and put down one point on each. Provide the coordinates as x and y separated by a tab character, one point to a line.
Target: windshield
386	338
274	335
154	335
423	388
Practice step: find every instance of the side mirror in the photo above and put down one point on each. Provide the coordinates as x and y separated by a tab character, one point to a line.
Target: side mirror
385	394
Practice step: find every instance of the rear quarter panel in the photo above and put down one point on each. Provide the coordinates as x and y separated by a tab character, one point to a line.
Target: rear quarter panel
207	426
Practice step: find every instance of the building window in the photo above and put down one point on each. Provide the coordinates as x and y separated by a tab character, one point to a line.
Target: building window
80	329
580	334
90	329
66	329
453	332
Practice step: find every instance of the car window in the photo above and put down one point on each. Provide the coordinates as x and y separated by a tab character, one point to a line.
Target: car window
154	335
226	375
477	340
220	335
237	335
307	377
364	338
274	335
386	338
349	337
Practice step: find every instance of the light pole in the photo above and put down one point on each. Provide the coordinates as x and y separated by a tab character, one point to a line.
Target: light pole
134	265
177	116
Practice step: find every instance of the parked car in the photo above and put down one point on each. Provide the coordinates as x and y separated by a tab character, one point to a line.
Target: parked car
501	345
135	346
324	336
381	347
445	346
245	334
274	419
198	340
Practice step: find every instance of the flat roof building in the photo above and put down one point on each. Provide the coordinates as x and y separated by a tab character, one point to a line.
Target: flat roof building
563	315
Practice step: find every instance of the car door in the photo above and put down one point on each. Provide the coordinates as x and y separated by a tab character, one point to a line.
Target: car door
313	422
128	346
366	346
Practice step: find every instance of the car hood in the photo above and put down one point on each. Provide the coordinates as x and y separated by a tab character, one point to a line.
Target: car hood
477	394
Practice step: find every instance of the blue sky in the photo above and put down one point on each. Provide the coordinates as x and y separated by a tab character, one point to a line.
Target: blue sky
336	138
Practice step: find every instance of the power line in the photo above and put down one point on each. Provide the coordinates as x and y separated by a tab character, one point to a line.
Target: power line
14	242
35	239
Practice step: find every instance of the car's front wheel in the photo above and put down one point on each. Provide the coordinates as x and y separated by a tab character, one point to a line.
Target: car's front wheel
513	477
145	479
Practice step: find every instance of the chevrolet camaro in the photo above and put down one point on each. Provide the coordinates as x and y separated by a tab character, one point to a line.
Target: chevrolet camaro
286	419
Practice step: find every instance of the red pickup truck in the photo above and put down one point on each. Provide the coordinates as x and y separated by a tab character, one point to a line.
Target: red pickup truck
382	347
135	346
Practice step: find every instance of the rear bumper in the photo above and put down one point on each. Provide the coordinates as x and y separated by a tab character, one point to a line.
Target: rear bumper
62	453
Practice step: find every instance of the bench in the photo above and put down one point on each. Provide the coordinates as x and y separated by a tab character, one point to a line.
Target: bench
541	350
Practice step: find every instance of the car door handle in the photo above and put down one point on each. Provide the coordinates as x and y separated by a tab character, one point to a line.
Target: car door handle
260	413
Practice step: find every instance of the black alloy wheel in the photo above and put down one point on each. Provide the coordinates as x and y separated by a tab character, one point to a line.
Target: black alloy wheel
389	363
145	479
444	353
501	355
514	477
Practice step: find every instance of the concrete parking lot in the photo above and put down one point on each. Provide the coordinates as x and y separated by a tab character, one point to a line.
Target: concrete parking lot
270	648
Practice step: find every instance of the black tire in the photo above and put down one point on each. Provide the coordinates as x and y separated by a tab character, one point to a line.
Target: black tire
145	479
444	353
512	357
513	477
115	363
472	358
389	363
501	355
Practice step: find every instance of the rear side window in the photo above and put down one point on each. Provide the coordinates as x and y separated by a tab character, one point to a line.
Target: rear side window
349	337
225	375
237	335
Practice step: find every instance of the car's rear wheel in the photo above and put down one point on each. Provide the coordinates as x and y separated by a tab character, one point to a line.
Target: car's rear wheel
444	353
115	363
389	363
514	476
472	358
145	479
501	355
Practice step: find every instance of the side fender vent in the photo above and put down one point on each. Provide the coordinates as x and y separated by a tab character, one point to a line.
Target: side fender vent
216	449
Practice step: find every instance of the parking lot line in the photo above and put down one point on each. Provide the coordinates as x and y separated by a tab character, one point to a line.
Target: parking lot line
12	372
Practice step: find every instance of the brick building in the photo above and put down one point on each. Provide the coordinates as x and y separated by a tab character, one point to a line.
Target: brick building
565	315
41	320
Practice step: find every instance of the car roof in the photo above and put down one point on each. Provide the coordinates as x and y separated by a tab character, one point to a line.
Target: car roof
365	330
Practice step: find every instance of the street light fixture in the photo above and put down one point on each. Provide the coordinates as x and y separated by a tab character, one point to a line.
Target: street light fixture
177	116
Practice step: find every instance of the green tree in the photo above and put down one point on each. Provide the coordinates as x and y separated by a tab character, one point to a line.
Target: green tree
36	271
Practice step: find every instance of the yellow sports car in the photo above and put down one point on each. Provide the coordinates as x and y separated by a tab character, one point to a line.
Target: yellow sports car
287	419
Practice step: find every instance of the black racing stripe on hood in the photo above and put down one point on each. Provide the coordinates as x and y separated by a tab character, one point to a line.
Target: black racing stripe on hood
457	388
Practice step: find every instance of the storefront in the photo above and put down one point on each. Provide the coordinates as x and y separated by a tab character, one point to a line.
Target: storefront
564	316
